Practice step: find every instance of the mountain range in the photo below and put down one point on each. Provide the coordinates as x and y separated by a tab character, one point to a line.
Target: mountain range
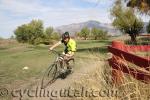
76	27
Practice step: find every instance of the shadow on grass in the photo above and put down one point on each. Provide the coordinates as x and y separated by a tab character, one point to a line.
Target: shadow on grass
94	41
102	49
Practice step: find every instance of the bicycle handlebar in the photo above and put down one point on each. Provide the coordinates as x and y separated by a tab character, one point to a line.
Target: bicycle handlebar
56	52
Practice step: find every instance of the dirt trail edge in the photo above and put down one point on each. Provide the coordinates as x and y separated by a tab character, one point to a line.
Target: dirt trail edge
36	93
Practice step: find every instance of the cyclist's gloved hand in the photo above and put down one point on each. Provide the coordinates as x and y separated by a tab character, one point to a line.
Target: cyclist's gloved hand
50	49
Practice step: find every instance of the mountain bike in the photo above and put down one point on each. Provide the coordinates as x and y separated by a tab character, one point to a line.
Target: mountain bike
59	68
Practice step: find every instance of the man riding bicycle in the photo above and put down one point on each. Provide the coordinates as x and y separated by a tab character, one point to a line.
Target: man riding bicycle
70	47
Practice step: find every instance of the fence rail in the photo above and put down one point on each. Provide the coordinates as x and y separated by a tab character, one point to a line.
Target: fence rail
122	55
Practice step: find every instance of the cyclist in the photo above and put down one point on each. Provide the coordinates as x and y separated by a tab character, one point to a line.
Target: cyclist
70	47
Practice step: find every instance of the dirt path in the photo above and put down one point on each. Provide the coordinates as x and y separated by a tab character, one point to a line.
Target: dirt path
60	84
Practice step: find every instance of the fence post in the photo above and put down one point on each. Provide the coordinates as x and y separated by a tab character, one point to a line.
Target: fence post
118	44
117	75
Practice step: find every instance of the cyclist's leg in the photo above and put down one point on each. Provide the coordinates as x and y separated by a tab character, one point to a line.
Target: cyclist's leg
67	59
61	62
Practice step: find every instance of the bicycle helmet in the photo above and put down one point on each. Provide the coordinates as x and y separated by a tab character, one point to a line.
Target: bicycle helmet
65	35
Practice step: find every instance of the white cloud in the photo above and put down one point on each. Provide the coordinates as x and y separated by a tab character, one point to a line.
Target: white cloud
79	15
16	12
23	7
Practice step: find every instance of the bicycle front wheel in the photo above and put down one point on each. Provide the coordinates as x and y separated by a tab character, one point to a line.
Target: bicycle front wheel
49	76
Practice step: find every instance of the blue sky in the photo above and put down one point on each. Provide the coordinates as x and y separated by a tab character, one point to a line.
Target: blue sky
53	12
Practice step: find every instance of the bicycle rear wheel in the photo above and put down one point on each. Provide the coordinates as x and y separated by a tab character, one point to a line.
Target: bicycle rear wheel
68	68
49	76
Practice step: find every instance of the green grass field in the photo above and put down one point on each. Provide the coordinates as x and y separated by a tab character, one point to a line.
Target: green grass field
14	57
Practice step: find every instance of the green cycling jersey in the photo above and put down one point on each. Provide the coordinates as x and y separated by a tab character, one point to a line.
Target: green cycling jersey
70	46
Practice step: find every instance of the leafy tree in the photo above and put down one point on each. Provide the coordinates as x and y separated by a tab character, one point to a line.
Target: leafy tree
148	27
49	31
126	20
55	36
36	30
21	34
29	33
142	5
104	35
95	33
84	33
98	33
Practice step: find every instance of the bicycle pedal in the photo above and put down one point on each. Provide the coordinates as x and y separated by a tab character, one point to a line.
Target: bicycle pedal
62	71
70	70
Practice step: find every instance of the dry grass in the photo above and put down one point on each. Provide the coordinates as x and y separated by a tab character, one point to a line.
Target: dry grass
122	38
100	79
7	42
132	89
97	80
143	54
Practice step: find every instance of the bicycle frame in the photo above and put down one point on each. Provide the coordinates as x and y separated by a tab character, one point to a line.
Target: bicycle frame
59	58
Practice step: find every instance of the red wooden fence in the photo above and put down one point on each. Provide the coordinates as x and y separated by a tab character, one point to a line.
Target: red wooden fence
121	55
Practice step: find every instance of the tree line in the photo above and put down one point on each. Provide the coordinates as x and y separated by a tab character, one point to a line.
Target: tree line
94	33
35	33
